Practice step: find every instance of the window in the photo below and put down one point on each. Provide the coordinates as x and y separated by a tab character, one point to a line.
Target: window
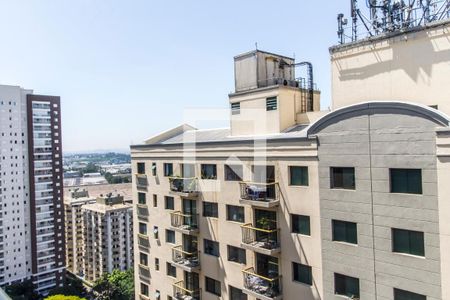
144	289
345	232
346	286
171	270
154	169
211	247
156	232
302	273
155	200
157	264
141	168
405	295
170	236
235	108
233	173
209	171
236	294
168	169
342	178
169	203
142	198
142	228
210	209
301	224
407	181
407	241
235	213
212	286
237	255
271	103
143	259
298	176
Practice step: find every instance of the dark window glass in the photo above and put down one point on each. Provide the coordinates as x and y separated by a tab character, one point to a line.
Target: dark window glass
142	198
144	289
236	254
170	236
213	286
236	294
346	285
407	241
271	103
143	228
211	247
235	108
345	232
169	202
408	181
209	171
171	270
143	259
154	169
157	264
301	224
298	176
342	178
141	168
405	295
168	169
235	213
155	200
210	209
302	273
233	172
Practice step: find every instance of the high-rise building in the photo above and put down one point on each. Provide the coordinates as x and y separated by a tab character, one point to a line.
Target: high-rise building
292	203
32	234
107	236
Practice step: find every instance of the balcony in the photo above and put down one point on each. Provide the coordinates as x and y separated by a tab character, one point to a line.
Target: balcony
261	287
143	242
184	187
142	211
144	273
187	224
264	195
264	241
182	293
185	260
141	181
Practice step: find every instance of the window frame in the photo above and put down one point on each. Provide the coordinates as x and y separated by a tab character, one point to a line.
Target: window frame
299	222
272	103
154	169
214	212
140	168
168	169
333	184
348	231
204	167
407	179
346	278
296	269
210	244
302	177
144	198
172	201
235	108
409	295
217	286
410	251
171	270
240	255
234	176
241	212
169	233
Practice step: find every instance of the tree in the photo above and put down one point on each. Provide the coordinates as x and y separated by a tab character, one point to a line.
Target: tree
22	291
72	287
63	297
119	285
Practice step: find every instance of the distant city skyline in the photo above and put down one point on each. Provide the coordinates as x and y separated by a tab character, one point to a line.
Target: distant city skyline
125	70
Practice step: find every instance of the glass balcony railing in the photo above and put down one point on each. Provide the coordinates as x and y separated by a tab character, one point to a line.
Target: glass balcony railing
261	285
186	259
183	185
182	293
259	238
186	222
260	194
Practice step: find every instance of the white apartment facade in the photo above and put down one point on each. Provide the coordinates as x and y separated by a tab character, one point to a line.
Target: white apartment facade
31	178
295	204
107	239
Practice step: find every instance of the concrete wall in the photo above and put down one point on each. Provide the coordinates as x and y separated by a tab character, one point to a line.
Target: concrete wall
411	67
372	142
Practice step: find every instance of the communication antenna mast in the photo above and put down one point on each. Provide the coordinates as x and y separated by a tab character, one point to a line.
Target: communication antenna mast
381	16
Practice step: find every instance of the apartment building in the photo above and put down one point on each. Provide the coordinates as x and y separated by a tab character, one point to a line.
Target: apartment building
31	219
107	236
291	203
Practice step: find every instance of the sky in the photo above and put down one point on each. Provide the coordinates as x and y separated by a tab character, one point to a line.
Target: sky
126	70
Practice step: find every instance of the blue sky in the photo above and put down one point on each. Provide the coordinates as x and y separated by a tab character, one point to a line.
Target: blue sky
125	70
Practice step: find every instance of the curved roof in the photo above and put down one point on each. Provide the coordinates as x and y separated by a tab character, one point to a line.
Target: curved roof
383	107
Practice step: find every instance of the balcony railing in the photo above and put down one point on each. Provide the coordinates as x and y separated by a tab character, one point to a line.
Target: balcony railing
182	293
259	238
183	185
260	194
189	260
184	222
141	181
261	285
